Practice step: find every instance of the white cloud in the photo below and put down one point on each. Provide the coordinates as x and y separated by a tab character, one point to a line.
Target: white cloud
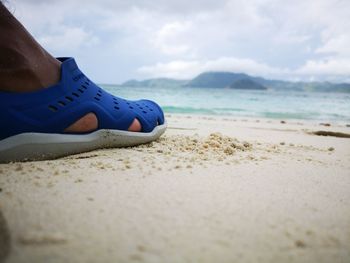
189	69
180	38
68	38
335	67
174	69
168	38
329	69
338	45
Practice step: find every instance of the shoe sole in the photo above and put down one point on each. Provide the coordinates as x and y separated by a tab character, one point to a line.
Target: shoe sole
44	146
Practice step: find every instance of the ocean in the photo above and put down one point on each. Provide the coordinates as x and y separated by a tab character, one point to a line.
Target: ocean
316	106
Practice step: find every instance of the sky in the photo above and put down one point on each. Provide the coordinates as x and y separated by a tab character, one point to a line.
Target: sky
117	40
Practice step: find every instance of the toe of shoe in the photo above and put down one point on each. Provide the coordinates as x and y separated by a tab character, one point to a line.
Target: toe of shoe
157	110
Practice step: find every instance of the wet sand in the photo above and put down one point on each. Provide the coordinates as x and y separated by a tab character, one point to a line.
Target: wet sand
211	189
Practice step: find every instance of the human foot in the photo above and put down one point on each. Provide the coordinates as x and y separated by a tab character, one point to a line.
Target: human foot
35	122
89	123
77	105
25	67
22	76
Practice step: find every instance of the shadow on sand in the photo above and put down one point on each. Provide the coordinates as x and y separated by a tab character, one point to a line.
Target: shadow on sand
5	239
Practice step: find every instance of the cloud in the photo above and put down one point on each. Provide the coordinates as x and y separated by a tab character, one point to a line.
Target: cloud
298	39
68	38
167	38
189	69
338	45
337	68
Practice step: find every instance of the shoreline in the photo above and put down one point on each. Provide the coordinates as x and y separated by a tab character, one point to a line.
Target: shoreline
340	123
321	123
334	123
212	189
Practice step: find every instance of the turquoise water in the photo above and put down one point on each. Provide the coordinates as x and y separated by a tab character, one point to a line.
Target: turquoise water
244	103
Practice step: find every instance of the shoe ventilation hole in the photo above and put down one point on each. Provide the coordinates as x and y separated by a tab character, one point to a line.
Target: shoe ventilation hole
144	111
116	102
98	94
87	82
75	94
83	86
151	109
97	98
130	107
81	91
69	98
117	108
140	108
62	103
53	108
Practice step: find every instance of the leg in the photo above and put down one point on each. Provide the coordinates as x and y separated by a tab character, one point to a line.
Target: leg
24	64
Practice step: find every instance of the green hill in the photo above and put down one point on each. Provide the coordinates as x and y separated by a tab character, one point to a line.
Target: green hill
247	84
216	79
239	81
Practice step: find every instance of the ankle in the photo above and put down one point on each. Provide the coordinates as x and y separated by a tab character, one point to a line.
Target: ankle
22	73
24	65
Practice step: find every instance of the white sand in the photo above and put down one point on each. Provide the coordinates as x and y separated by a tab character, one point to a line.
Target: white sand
260	191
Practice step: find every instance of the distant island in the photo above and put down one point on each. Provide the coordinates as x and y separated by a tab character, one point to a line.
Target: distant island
240	81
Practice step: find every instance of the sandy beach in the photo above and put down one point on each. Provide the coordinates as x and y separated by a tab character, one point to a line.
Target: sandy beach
212	189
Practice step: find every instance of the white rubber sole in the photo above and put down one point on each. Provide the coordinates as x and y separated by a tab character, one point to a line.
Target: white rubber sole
44	146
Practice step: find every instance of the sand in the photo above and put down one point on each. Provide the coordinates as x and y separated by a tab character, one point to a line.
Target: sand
212	189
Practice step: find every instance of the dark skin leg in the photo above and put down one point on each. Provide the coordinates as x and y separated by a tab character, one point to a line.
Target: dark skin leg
25	66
